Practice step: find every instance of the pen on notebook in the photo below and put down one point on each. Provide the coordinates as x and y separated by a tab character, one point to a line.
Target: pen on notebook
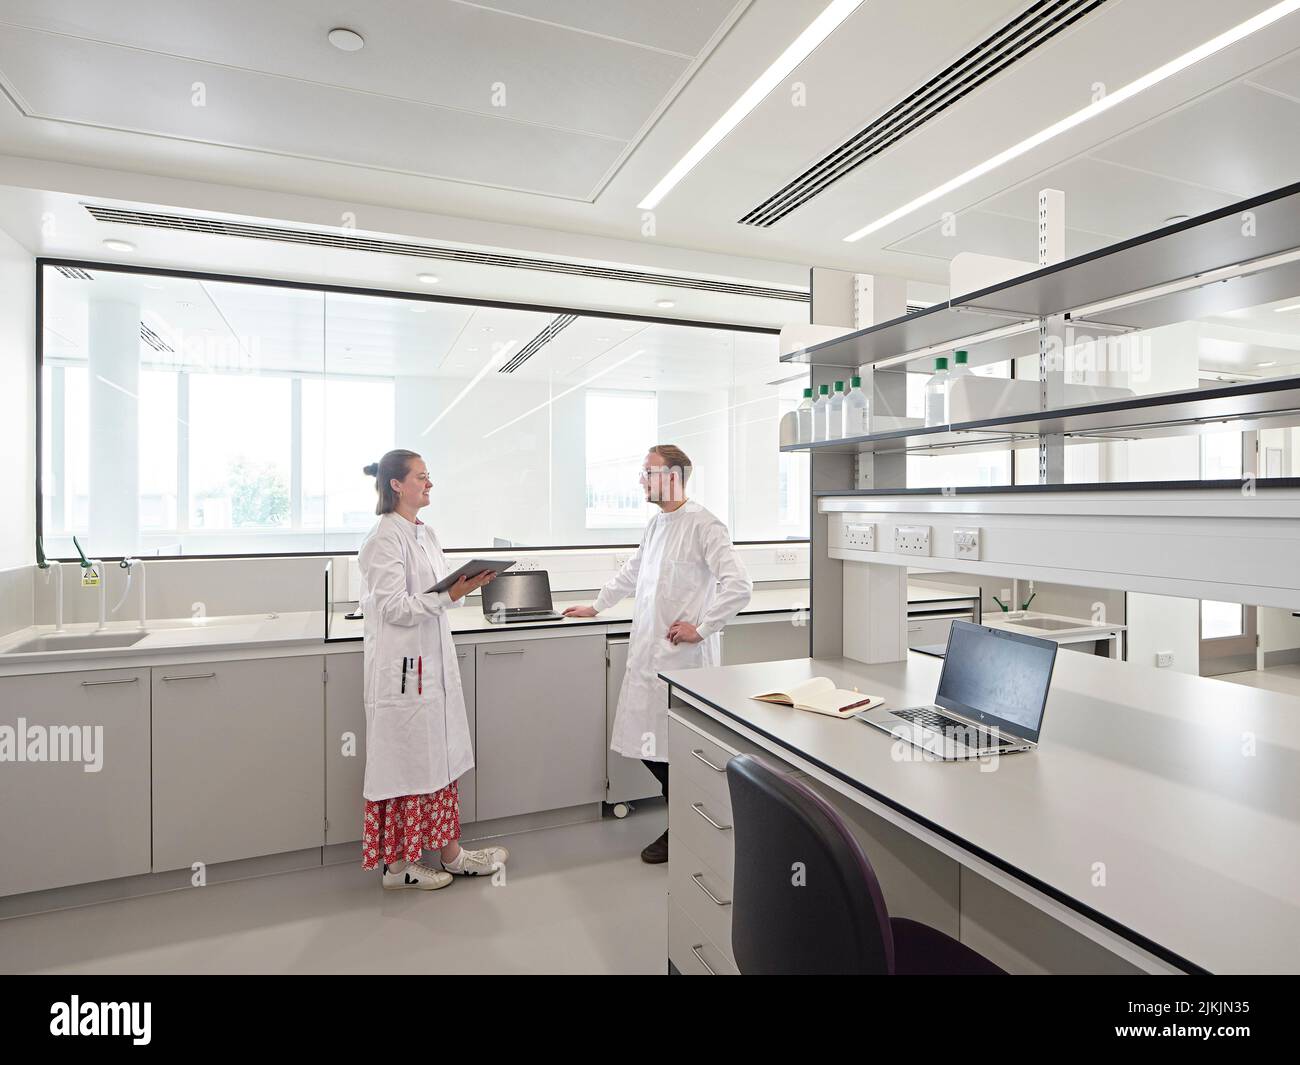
403	674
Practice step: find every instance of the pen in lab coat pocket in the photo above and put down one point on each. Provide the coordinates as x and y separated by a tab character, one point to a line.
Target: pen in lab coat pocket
403	674
420	675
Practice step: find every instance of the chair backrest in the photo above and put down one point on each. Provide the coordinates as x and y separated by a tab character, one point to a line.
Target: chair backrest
804	897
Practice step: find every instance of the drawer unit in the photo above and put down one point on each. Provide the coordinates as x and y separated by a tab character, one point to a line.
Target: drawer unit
700	763
691	951
703	825
702	894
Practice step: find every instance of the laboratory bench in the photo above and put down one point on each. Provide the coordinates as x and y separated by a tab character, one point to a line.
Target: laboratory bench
239	742
1155	829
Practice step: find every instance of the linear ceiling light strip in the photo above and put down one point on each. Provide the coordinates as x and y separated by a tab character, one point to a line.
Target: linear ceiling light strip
326	239
1033	27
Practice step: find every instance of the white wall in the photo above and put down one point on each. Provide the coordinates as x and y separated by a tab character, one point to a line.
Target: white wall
17	403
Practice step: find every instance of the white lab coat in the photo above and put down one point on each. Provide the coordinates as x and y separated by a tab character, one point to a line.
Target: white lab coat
416	744
686	569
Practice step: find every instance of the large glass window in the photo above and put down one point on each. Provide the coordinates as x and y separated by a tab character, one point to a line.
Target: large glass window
198	416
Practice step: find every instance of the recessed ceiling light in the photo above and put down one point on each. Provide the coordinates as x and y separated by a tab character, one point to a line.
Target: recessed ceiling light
427	279
1264	365
346	40
665	304
817	31
1283	310
114	244
1097	107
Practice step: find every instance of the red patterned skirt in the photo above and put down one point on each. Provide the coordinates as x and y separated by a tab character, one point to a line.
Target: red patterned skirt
401	829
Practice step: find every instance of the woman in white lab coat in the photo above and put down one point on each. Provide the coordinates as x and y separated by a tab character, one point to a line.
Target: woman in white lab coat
417	729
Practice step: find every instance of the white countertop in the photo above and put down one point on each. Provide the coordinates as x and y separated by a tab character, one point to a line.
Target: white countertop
1186	788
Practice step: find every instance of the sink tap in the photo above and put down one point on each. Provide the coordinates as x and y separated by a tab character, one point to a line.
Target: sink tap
47	565
130	565
92	576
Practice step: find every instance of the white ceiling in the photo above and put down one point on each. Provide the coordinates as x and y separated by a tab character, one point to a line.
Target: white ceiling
602	96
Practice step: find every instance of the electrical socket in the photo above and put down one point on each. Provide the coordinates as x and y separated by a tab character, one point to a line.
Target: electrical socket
966	543
525	565
860	535
787	556
1164	659
622	558
912	539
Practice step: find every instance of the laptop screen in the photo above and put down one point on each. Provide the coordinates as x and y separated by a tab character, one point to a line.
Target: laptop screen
996	677
510	592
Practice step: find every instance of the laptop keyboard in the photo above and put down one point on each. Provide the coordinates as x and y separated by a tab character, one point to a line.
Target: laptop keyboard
970	735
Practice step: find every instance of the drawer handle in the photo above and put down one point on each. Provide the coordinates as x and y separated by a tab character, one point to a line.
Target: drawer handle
98	683
192	676
461	654
699	753
517	651
699	883
696	951
698	807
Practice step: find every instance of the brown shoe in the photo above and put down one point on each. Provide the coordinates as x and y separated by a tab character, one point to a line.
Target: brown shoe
657	852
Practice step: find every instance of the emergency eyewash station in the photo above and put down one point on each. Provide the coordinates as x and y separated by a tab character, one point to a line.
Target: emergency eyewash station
1157	826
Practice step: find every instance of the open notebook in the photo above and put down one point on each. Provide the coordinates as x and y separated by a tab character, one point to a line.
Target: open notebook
820	696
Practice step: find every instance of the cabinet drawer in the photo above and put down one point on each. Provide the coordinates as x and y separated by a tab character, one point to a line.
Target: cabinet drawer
702	894
690	950
699	766
929	632
702	824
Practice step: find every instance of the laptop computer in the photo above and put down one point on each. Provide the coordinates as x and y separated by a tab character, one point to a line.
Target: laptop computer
991	698
519	596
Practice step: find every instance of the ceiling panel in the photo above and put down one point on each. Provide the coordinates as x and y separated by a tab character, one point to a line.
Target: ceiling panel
1239	139
993	234
682	26
1104	198
84	82
443	53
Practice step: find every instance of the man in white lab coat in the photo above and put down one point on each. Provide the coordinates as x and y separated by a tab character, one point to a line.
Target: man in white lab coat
689	582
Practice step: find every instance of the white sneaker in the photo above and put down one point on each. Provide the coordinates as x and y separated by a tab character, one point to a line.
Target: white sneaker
477	863
415	875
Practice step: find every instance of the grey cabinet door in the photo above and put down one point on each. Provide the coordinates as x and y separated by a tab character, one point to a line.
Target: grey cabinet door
466	659
237	762
345	731
345	748
59	823
541	724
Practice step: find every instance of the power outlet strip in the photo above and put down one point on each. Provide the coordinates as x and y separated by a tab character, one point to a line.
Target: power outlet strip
860	535
525	565
787	556
966	543
912	540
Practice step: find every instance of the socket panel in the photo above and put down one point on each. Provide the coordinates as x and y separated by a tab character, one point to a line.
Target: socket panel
525	565
860	535
784	556
966	543
912	540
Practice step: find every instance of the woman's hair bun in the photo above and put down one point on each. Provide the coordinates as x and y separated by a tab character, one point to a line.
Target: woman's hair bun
372	470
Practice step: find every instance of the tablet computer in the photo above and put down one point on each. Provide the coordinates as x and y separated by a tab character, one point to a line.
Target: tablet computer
472	568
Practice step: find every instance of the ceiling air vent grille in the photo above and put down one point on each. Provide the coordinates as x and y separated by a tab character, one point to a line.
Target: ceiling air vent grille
72	273
554	328
1034	26
351	241
153	339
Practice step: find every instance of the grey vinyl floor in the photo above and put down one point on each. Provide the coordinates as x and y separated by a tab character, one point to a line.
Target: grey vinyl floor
577	899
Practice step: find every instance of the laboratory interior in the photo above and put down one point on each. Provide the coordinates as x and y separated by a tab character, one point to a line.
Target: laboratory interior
431	427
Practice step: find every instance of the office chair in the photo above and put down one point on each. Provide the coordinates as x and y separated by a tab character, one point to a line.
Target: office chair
805	900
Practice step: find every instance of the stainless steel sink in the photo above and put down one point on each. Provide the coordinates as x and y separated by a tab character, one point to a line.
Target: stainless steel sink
79	641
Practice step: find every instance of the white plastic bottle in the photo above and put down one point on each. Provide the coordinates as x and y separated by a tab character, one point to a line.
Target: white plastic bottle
835	413
805	413
856	409
936	395
820	409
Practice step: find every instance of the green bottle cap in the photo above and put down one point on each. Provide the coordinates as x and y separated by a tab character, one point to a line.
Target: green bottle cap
855	382
961	358
839	386
824	390
807	393
941	363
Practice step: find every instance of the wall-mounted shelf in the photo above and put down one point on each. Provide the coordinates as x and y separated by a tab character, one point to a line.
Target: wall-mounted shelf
1271	403
1251	230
